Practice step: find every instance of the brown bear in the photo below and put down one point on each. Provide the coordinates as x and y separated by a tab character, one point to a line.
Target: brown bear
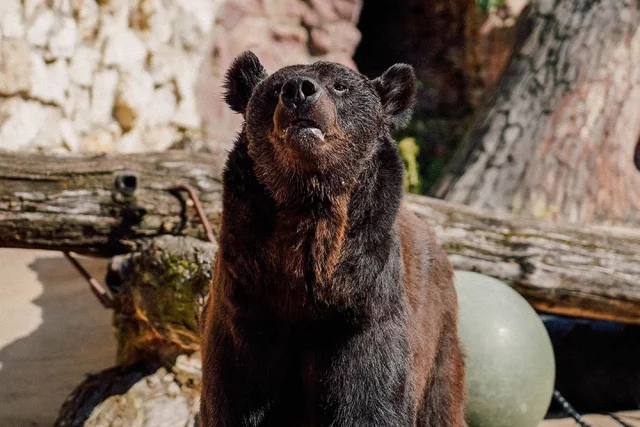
331	304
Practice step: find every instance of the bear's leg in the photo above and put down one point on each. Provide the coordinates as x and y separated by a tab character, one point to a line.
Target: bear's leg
444	393
365	378
242	385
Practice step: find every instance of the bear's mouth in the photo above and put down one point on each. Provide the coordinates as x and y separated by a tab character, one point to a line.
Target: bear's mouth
304	128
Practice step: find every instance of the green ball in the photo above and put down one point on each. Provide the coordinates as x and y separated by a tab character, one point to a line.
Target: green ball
510	366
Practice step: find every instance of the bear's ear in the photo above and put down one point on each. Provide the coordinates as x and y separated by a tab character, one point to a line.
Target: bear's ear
241	78
397	90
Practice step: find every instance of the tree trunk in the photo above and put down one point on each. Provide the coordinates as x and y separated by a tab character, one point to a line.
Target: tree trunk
586	271
558	136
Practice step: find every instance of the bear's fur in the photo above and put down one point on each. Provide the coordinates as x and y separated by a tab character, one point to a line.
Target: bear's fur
331	304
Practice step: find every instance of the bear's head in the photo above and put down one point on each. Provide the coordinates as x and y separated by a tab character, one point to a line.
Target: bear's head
312	129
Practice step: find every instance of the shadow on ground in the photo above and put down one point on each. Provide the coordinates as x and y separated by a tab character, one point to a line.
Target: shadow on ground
74	338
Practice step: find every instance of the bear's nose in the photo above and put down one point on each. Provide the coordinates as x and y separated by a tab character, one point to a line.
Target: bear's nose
299	93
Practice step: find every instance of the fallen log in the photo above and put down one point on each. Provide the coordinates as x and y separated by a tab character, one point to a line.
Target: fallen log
106	204
102	204
582	271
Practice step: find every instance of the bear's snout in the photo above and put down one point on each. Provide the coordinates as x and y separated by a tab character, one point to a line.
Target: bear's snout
300	93
305	114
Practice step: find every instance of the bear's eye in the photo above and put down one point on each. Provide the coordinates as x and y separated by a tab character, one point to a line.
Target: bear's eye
275	91
339	87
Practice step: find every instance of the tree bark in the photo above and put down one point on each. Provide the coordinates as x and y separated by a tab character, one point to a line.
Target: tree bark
585	271
570	270
557	138
100	204
158	293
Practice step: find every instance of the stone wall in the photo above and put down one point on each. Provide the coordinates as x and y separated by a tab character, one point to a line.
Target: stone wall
280	32
139	75
86	75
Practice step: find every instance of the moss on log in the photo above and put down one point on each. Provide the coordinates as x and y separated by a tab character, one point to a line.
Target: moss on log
159	292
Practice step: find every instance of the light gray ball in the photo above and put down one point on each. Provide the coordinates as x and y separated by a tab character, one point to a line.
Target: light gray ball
510	366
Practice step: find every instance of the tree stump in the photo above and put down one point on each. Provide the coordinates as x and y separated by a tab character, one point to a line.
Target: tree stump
158	294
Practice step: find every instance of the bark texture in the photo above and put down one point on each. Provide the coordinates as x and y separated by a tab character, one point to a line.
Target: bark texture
101	204
158	293
557	138
569	270
587	271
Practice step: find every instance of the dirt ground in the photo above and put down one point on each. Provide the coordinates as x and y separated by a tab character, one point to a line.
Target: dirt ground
53	332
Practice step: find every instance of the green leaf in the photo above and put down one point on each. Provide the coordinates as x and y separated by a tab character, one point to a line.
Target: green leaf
488	5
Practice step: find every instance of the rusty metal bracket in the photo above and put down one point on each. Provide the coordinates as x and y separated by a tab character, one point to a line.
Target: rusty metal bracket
193	195
97	289
101	293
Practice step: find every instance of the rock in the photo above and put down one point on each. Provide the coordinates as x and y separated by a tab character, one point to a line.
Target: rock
87	14
160	138
151	19
48	82
108	66
69	136
49	137
340	37
321	41
288	11
163	64
83	65
130	142
11	23
252	31
100	141
185	78
78	104
201	11
103	96
147	396
194	145
162	106
325	9
40	30
133	95
340	58
63	6
20	122
231	13
187	116
289	35
348	10
63	43
114	16
187	33
30	7
124	49
15	66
